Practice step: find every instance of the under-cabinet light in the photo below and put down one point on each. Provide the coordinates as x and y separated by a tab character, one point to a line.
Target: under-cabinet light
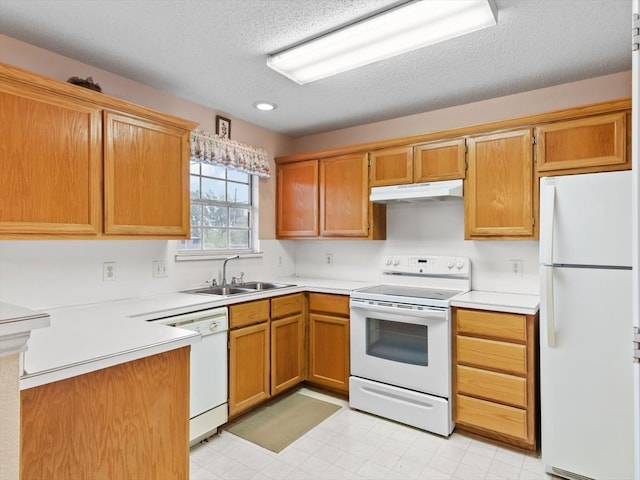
393	32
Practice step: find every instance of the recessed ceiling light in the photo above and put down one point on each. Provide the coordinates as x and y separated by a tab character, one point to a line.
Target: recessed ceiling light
266	106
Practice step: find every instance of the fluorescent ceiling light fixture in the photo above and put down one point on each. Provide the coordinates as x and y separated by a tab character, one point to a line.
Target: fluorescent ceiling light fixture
266	106
393	32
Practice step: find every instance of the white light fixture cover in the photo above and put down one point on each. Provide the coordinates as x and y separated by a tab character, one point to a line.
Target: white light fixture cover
400	30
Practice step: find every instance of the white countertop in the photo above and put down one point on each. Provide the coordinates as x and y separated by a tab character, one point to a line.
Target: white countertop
497	301
85	338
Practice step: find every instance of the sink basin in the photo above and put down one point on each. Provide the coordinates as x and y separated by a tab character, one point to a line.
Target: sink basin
248	287
221	291
264	285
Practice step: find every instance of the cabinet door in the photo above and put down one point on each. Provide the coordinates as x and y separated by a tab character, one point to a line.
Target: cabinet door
287	357
498	197
248	367
329	351
344	196
51	164
391	166
146	177
584	145
297	207
439	161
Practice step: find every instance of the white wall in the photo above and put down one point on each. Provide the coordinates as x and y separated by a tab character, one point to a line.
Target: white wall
433	228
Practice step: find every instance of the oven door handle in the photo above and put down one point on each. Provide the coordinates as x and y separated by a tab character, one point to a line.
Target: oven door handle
426	312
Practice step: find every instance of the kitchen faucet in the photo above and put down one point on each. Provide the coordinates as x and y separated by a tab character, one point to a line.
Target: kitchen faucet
224	270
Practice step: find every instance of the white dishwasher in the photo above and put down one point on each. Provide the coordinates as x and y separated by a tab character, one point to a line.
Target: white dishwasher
208	380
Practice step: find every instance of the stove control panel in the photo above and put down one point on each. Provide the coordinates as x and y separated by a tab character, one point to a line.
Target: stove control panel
426	265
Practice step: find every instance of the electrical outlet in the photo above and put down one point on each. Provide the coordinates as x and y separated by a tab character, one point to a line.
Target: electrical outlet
328	259
279	260
516	267
109	272
160	269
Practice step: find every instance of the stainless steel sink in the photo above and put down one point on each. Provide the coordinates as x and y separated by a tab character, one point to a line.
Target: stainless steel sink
221	291
243	288
264	285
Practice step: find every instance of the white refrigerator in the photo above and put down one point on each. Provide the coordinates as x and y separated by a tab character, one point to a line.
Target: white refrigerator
586	402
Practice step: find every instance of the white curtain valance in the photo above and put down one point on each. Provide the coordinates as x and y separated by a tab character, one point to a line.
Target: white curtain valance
208	148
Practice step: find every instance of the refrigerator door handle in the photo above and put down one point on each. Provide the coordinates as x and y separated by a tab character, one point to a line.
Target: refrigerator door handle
549	204
547	289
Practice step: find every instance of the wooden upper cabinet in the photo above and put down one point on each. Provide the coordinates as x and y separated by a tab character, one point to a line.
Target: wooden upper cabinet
439	161
344	196
391	166
297	212
588	144
146	177
80	164
51	163
499	191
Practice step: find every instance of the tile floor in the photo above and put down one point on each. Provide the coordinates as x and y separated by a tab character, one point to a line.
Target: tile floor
355	445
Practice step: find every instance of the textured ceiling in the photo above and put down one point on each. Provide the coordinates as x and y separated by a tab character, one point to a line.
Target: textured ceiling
213	52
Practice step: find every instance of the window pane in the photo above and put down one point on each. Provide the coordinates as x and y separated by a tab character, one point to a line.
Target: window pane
237	193
237	176
215	239
213	189
215	216
239	217
194	168
238	239
213	171
194	243
194	186
196	215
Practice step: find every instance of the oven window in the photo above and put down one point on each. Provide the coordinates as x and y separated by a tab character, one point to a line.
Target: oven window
396	341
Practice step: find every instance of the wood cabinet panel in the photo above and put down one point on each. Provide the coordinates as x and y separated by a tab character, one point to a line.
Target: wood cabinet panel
439	161
298	208
126	421
492	386
391	166
51	164
287	353
344	196
595	143
249	313
286	305
329	303
502	356
499	191
146	177
507	326
249	355
492	416
329	351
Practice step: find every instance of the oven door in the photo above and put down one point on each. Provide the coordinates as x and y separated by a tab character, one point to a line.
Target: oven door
402	346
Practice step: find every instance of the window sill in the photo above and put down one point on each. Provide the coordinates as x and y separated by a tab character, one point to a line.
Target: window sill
199	256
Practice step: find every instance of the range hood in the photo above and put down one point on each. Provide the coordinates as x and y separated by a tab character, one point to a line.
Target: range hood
418	192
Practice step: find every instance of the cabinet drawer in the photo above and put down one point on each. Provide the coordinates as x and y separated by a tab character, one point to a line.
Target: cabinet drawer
493	416
286	305
249	313
507	326
323	302
491	385
479	352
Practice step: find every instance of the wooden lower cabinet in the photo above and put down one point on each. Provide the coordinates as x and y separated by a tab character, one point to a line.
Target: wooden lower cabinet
266	350
126	421
249	367
329	364
495	375
287	342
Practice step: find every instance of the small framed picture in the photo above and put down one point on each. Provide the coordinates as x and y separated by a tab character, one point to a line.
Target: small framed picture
223	127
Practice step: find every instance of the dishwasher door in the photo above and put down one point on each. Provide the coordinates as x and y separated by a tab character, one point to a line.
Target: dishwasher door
208	373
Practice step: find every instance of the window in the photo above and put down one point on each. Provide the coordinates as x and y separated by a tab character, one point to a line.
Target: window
221	210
